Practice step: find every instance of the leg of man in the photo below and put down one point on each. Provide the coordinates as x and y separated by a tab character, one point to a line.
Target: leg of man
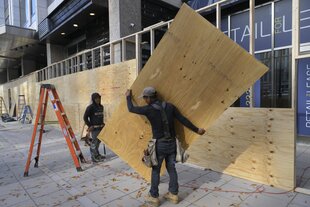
173	181
155	179
172	195
98	141
95	145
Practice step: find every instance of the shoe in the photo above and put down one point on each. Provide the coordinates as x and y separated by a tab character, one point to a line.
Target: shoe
151	200
95	159
172	198
101	156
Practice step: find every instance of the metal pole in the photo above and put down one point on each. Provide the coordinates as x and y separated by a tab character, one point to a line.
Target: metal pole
295	53
152	40
272	62
124	55
7	71
295	48
112	54
138	53
252	42
218	16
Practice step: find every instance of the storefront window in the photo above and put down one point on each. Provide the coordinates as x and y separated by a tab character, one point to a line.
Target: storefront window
282	78
276	83
266	80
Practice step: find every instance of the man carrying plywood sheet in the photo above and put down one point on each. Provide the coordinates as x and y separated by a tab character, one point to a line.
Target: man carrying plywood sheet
161	116
198	69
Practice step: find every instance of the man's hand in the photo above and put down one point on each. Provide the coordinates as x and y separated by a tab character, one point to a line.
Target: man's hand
90	129
128	92
201	131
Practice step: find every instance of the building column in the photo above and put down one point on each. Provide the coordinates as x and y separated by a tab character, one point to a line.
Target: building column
7	74
124	19
27	66
55	53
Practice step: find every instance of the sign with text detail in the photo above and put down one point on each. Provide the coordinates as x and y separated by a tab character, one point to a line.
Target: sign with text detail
282	25
303	116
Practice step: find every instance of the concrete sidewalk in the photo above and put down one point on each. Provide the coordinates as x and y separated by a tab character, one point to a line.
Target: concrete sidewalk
114	183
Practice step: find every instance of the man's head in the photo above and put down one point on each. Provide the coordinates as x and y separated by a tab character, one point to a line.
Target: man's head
96	98
149	94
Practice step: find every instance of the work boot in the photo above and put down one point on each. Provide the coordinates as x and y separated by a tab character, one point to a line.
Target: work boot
95	159
102	156
172	198
152	200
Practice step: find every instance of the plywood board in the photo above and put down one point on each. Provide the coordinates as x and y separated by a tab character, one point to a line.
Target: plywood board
75	90
251	143
197	68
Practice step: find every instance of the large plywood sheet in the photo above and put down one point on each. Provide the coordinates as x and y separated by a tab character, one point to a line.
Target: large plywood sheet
197	68
251	143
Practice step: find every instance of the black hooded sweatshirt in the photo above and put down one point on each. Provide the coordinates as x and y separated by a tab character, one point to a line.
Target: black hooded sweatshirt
93	115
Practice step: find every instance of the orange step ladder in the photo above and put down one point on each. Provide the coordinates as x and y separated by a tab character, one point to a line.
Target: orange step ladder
48	90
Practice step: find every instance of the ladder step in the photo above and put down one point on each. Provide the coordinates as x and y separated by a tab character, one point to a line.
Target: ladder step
73	140
68	126
63	113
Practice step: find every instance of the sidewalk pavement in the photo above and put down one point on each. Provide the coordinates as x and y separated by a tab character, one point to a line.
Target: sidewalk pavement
113	183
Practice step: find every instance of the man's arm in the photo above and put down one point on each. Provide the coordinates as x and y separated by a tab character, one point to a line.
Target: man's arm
134	109
86	116
187	122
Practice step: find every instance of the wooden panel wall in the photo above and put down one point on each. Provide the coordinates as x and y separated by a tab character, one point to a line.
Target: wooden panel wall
252	143
22	86
75	90
196	67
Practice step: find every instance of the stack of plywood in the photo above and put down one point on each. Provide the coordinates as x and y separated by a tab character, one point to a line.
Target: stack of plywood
198	69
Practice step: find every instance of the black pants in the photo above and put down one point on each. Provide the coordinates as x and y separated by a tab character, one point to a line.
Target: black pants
165	151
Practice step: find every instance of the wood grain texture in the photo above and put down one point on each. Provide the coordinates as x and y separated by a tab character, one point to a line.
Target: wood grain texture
75	90
197	68
252	143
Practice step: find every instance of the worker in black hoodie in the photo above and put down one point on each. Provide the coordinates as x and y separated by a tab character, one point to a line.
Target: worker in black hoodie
93	118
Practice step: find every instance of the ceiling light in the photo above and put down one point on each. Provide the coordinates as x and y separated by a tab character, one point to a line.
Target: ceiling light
92	14
63	33
75	25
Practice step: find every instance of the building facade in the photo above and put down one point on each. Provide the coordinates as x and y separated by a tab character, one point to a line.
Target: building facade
78	35
273	45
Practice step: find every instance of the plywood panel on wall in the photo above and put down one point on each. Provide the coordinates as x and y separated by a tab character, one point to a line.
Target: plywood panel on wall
196	67
251	143
75	90
22	86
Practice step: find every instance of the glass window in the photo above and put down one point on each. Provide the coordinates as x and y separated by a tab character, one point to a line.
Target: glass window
33	7
33	10
6	12
81	45
23	13
49	2
266	80
276	83
282	78
72	50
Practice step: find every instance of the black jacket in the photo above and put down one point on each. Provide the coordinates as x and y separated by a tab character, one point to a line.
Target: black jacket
93	115
154	116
